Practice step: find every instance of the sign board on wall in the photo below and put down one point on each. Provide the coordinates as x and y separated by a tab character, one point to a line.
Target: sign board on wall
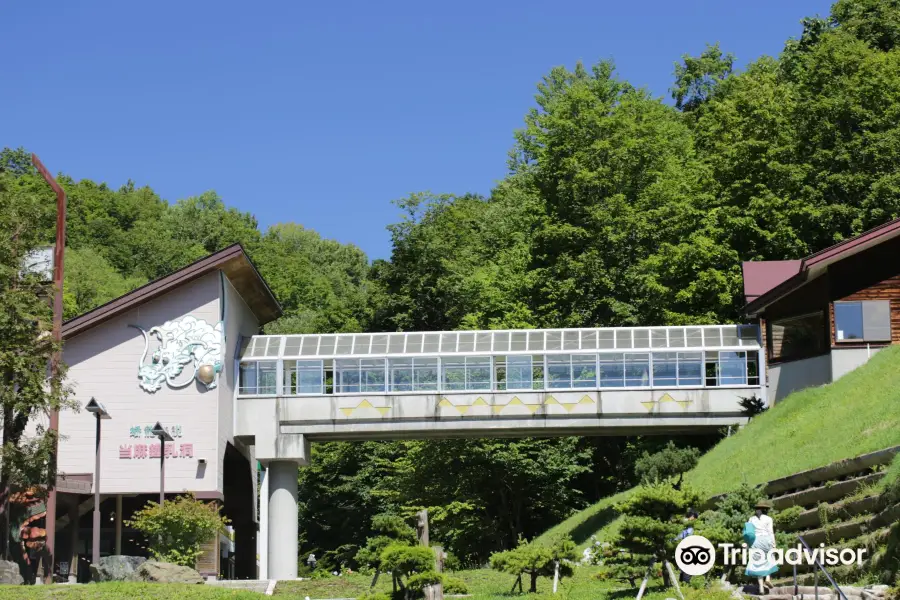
141	450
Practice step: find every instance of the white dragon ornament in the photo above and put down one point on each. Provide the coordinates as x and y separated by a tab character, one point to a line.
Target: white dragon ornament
183	342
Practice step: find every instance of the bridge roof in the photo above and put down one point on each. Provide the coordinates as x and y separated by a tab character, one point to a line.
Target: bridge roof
517	341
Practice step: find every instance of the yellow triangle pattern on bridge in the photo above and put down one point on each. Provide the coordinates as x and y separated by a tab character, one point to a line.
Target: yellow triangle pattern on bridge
348	411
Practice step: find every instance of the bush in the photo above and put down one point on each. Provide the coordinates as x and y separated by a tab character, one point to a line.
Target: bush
176	529
418	582
453	585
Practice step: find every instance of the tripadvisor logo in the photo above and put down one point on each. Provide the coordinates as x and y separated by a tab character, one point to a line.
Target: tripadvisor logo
696	555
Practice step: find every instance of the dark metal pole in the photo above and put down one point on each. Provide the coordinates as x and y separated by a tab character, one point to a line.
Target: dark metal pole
162	470
58	256
95	545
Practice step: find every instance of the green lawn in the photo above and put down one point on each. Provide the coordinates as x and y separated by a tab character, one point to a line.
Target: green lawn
484	584
122	591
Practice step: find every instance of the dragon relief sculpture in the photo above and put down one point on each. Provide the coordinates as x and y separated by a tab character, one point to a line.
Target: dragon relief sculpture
184	342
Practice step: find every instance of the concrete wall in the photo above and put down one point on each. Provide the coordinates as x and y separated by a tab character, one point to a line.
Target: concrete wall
239	321
788	377
103	363
484	414
844	360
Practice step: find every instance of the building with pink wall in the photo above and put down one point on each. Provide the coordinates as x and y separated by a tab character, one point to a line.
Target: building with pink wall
164	353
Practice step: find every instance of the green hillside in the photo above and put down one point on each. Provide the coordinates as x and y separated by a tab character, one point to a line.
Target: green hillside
857	414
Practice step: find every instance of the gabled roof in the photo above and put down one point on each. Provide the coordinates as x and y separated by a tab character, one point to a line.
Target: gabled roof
233	261
761	276
815	265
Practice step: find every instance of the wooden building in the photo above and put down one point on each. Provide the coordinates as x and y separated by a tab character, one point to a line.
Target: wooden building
826	314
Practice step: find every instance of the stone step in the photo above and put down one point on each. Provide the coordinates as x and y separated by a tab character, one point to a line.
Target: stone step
825	493
852	529
836	470
844	510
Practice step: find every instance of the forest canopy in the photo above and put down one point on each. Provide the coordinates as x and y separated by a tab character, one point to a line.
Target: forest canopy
619	208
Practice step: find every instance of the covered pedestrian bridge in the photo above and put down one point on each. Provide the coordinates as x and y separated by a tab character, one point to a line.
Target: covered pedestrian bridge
294	389
615	381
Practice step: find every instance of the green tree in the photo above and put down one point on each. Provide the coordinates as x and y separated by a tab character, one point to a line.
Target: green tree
321	284
91	281
483	495
27	393
175	530
696	78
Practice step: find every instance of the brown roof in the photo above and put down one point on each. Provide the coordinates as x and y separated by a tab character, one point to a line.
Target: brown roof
761	276
817	264
233	261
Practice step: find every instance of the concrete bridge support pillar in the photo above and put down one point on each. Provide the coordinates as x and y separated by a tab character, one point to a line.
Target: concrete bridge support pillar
282	517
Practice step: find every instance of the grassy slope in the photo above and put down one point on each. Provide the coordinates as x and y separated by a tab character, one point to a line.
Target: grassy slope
859	413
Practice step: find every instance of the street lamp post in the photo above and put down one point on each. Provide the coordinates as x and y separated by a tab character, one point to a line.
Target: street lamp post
100	413
164	437
59	252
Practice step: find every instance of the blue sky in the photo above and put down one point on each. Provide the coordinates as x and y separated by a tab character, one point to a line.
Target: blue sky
323	112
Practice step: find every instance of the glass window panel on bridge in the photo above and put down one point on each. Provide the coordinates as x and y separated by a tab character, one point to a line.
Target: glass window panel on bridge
413	374
466	373
732	368
603	358
355	376
304	377
258	377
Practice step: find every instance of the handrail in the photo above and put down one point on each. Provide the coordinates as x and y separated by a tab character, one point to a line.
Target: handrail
820	566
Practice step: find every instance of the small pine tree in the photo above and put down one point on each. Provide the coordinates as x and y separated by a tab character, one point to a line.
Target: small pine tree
652	516
670	463
752	406
536	560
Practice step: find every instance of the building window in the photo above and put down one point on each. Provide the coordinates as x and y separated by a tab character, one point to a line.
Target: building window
731	368
566	371
637	370
690	368
612	370
797	337
868	321
304	377
413	374
258	378
359	376
371	375
665	369
469	373
559	371
518	373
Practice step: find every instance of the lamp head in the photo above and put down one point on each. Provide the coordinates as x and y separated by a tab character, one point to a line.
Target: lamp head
97	409
159	432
